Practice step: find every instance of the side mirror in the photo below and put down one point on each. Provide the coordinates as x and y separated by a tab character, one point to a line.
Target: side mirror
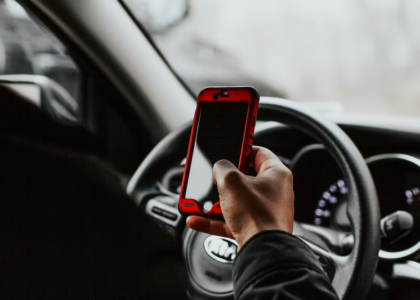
45	93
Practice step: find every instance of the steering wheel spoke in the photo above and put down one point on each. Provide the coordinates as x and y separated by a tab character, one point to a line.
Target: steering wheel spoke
330	262
325	243
337	241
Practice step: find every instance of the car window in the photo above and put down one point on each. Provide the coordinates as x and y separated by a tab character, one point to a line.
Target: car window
25	48
335	56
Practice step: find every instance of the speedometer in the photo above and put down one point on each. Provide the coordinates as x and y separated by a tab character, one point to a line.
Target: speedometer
331	199
397	181
321	194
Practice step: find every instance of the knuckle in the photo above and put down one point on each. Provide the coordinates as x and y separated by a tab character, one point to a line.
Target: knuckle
228	174
285	173
232	177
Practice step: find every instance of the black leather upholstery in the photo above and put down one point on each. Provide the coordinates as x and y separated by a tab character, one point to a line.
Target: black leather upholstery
68	230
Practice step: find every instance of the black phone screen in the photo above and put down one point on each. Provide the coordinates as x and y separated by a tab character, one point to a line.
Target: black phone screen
219	135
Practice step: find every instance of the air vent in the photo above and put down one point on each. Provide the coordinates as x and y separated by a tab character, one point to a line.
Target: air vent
172	180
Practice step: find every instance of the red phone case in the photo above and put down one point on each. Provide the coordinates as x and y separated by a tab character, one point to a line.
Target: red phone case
188	207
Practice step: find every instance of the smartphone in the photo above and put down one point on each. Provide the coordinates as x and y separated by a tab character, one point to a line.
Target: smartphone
223	128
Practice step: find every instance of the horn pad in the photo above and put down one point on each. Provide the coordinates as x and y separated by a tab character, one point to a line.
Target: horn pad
209	261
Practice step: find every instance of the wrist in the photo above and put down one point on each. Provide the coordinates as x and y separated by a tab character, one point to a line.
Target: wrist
249	232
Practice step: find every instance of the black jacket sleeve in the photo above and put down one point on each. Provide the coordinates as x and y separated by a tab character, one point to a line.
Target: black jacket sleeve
276	265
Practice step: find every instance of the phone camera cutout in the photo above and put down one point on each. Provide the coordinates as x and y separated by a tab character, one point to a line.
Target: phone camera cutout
216	96
207	206
224	93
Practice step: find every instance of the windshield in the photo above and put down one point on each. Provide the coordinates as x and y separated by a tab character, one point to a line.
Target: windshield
335	56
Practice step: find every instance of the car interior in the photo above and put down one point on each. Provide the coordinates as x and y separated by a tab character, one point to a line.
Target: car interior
95	122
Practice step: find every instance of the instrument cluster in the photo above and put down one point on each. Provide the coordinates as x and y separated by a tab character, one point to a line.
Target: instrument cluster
321	193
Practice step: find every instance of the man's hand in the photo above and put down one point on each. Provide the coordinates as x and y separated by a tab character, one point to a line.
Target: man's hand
251	204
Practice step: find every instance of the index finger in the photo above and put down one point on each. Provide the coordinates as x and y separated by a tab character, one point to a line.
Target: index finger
263	159
209	226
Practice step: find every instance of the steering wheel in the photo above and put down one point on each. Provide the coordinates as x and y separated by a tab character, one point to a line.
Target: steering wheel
209	272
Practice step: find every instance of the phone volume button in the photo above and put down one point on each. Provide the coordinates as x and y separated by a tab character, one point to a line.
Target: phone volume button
251	136
250	147
255	121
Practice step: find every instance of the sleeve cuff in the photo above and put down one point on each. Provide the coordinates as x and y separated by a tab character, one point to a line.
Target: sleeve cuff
270	250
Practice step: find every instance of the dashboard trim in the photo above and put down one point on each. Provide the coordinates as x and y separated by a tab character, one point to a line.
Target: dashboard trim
398	156
408	270
386	255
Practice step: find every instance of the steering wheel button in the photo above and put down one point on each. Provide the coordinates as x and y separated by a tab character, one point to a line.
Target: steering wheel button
169	215
171	231
157	211
160	224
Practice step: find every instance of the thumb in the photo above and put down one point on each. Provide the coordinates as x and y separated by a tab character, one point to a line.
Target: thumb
226	175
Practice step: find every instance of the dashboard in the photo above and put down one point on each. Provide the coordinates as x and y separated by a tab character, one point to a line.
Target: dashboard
393	158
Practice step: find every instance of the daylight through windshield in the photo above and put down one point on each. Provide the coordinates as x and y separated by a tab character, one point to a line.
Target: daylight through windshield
346	56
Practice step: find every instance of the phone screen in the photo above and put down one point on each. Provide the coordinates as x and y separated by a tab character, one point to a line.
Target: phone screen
219	135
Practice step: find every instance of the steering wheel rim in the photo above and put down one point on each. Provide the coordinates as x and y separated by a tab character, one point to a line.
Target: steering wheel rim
363	208
354	272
